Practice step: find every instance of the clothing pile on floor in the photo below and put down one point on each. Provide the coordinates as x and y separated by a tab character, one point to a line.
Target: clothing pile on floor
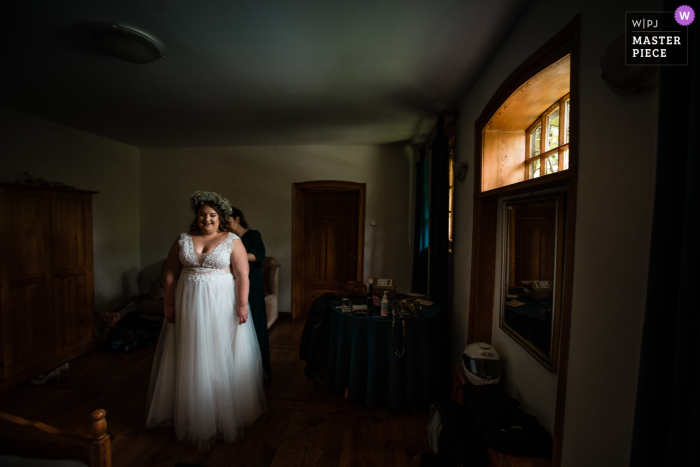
134	326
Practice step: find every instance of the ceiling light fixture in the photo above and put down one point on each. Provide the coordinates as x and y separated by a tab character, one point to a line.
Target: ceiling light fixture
127	44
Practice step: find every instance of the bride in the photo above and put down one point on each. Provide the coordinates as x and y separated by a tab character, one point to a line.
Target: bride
207	378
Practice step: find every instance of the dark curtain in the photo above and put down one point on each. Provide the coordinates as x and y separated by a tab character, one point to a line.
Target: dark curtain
439	287
667	414
439	266
431	267
419	280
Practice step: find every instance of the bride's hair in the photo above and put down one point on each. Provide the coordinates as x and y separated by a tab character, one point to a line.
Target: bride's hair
223	219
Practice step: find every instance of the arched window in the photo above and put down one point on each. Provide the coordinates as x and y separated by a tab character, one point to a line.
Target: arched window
547	146
526	136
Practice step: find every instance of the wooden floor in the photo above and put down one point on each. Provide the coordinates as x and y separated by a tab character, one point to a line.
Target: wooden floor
306	424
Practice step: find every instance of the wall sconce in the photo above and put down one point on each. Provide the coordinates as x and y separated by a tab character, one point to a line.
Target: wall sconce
460	171
625	80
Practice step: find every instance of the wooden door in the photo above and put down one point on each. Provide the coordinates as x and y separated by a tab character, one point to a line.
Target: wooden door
328	240
534	229
72	270
28	327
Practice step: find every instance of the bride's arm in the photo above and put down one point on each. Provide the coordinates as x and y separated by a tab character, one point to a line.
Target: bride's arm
239	264
170	275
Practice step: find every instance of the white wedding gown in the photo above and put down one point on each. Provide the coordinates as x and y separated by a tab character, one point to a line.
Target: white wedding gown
207	377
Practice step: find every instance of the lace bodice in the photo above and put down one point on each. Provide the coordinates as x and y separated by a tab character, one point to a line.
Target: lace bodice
216	263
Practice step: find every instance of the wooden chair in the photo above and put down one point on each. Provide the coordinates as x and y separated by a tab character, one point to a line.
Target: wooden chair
270	272
32	440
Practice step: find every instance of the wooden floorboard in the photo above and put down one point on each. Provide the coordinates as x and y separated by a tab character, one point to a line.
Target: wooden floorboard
307	424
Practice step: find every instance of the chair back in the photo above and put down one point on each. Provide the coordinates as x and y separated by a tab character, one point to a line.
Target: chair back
270	280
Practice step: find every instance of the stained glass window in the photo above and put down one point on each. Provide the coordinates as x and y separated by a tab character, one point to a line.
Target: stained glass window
547	143
553	130
535	139
568	124
551	164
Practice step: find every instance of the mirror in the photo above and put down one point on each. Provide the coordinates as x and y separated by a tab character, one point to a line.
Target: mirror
533	246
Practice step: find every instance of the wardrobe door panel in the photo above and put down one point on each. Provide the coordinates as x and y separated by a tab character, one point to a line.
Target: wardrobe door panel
28	255
31	341
28	331
69	235
72	312
72	266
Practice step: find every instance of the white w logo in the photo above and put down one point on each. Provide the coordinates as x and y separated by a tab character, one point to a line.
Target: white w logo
685	15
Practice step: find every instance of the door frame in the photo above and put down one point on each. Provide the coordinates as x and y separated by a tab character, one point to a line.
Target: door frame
299	192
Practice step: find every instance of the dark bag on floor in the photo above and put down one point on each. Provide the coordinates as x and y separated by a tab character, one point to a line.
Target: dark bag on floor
501	424
133	333
520	434
313	347
123	341
484	402
450	438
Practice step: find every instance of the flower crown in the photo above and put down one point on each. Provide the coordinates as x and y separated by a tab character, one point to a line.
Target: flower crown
200	197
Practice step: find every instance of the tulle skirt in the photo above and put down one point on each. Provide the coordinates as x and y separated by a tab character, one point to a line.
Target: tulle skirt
207	378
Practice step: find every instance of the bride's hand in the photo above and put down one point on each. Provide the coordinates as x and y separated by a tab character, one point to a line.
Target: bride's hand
242	313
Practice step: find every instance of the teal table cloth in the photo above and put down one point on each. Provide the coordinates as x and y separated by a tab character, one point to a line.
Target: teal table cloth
361	358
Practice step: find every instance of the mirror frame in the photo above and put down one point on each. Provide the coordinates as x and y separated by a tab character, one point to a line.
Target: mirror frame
550	362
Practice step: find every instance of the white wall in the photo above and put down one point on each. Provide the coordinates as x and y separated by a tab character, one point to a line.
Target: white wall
88	162
613	227
258	181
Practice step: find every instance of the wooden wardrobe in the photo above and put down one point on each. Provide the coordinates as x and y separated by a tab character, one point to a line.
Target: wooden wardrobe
46	280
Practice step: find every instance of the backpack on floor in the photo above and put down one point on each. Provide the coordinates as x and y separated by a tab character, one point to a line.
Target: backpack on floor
520	434
501	424
450	438
123	341
133	333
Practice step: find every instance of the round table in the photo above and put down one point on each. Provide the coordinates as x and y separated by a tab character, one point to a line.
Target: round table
361	358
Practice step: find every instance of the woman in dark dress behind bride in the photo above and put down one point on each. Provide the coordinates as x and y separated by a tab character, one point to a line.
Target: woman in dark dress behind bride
207	378
252	241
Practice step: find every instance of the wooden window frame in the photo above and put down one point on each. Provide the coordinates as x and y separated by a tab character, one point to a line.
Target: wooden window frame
563	144
451	198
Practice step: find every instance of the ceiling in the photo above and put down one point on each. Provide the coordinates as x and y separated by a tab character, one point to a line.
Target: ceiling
236	73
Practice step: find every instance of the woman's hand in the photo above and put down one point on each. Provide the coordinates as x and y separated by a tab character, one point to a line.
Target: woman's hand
242	313
239	267
171	273
169	313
